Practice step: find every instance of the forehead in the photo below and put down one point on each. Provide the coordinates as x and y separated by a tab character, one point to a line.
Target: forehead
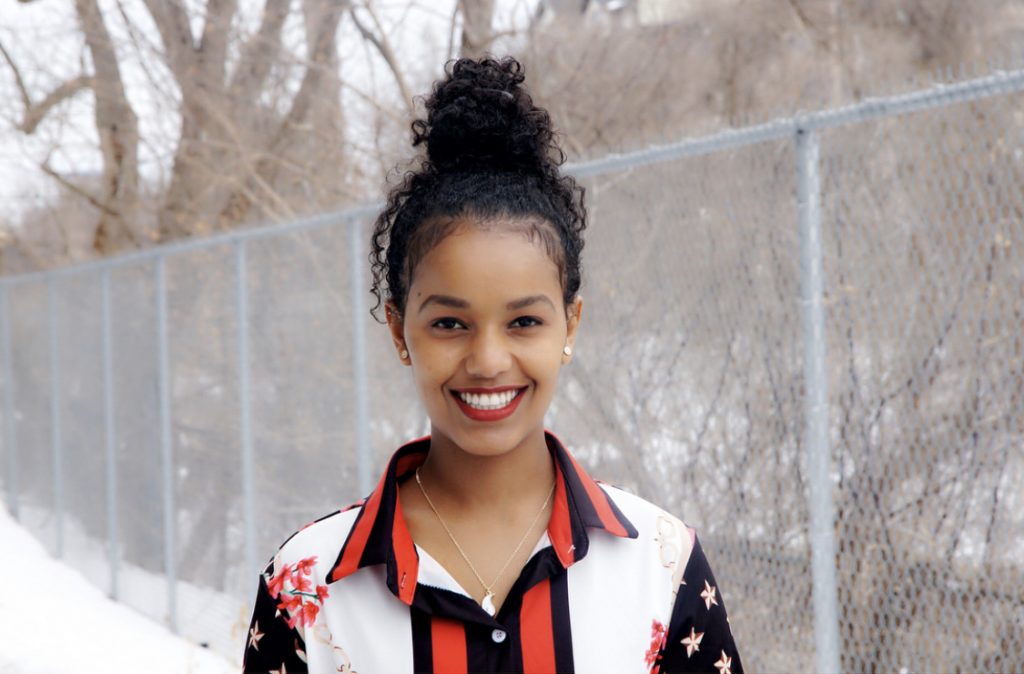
485	263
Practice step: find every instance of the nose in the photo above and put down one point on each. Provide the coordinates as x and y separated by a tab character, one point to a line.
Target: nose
489	355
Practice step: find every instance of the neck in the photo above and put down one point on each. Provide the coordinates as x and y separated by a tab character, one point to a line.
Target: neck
484	484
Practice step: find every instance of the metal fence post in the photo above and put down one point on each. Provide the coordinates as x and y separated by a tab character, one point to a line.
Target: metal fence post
812	310
55	415
10	429
245	413
357	269
166	442
108	423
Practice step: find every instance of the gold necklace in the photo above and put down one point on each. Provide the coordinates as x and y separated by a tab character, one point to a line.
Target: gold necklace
487	604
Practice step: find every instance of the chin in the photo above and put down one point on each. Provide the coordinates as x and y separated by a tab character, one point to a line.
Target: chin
486	442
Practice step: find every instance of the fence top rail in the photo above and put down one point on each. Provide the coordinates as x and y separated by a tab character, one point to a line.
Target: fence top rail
938	95
186	245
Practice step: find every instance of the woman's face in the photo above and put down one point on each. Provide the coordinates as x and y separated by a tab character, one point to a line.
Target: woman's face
485	327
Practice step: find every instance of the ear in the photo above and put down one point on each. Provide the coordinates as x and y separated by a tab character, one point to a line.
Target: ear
396	325
572	324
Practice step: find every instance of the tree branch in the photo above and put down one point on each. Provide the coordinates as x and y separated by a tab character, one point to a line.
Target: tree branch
321	53
259	53
386	52
804	21
172	21
451	33
477	16
35	114
322	29
25	98
117	127
213	45
48	170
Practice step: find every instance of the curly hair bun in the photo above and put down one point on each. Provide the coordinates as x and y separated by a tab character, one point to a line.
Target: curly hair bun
491	154
481	116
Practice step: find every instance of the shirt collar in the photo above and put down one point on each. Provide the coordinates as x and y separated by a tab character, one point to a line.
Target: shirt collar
381	536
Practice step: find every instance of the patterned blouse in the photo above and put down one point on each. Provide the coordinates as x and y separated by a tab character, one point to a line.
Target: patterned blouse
615	584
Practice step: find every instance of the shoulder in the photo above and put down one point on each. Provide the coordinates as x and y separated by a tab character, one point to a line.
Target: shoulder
673	539
639	510
316	545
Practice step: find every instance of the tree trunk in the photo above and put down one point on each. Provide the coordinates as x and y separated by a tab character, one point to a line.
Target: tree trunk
118	130
477	34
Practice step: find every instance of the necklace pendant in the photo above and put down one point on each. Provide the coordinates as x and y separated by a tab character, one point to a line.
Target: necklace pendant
488	604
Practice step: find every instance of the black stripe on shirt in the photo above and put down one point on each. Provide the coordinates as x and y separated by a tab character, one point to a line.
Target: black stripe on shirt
560	623
481	654
422	650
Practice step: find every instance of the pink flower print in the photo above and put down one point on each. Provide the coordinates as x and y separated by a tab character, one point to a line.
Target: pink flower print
290	603
301	583
276	583
658	635
305	566
307	614
294	589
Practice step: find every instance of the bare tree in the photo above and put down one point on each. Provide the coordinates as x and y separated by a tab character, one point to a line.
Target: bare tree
227	168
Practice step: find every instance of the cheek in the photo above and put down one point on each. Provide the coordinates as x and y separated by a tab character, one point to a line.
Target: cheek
545	364
433	362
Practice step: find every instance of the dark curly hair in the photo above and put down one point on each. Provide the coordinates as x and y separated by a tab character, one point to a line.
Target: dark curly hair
491	154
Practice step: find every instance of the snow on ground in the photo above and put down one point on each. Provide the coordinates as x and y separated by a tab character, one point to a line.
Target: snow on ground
53	620
218	618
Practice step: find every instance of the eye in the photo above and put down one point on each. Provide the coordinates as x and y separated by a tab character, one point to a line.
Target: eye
447	323
526	322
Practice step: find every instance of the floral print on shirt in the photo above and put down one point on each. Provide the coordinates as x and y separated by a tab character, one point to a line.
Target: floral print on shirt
302	602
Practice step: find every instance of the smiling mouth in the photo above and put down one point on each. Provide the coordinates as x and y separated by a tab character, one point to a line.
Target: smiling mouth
489	401
494	406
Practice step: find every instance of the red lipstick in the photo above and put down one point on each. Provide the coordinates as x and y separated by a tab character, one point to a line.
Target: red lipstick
489	415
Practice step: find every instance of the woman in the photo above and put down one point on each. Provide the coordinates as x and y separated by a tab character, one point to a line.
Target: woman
486	547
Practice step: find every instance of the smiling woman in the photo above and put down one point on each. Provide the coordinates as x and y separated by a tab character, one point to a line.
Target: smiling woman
486	547
482	319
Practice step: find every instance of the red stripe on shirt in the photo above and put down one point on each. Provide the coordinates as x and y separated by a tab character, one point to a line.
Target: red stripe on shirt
405	555
599	500
560	524
538	636
407	463
448	643
356	544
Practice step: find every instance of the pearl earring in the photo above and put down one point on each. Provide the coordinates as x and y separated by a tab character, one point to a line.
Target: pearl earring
567	350
403	354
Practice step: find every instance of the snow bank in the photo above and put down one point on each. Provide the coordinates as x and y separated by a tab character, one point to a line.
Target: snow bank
53	620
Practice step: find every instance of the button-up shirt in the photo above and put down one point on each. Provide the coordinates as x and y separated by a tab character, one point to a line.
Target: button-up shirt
615	584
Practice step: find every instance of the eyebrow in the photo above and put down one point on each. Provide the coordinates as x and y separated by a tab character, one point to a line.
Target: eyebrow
456	303
515	305
444	300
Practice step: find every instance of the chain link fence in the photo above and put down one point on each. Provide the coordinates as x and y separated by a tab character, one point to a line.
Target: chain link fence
805	338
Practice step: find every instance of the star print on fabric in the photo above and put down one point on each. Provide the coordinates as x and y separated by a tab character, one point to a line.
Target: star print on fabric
692	642
254	636
724	664
708	595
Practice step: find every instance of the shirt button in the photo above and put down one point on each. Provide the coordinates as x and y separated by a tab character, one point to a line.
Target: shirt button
497	636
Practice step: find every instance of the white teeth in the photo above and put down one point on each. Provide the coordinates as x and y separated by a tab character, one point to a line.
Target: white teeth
488	401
